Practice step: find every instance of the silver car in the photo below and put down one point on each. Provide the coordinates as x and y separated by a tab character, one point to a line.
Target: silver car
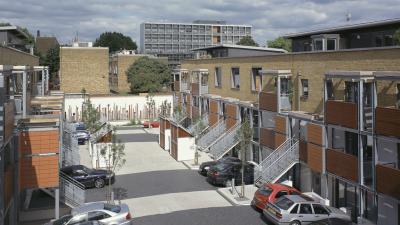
301	209
97	211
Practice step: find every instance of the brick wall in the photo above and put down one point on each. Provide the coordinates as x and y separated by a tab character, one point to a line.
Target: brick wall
309	65
9	56
84	68
38	171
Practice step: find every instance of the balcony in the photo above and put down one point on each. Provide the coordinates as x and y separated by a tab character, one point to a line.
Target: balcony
388	180
177	86
195	112
342	164
194	88
387	121
303	155
267	137
341	113
268	101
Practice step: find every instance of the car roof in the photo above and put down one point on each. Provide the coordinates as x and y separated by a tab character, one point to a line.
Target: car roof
280	186
300	199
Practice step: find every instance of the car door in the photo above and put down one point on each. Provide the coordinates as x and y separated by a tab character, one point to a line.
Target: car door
306	215
81	176
320	212
99	216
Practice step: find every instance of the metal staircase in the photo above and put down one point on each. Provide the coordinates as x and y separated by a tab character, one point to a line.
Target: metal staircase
225	142
278	162
198	127
211	135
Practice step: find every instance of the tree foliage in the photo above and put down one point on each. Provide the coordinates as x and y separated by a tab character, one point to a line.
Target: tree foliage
247	41
396	37
280	42
52	59
90	115
115	41
148	75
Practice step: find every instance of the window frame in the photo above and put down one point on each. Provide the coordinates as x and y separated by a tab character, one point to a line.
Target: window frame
303	92
218	82
253	79
233	85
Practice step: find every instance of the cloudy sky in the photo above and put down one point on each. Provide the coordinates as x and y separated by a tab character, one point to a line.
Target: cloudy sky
270	18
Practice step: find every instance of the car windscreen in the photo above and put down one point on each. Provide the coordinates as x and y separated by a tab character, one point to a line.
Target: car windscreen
87	170
221	167
284	203
112	208
265	190
62	220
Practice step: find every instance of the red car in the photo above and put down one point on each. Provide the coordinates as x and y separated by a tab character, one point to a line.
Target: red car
153	124
270	192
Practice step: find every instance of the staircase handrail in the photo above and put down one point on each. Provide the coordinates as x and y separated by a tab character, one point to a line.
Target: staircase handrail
283	153
228	134
280	147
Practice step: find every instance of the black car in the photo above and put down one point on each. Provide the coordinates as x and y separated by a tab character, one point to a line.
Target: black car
89	177
203	168
223	173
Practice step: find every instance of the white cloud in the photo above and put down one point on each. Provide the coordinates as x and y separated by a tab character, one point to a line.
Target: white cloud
270	18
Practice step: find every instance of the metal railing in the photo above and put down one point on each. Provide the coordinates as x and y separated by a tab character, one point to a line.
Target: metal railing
279	162
198	127
225	143
71	191
212	134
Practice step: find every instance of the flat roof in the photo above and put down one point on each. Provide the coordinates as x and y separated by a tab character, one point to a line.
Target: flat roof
174	23
242	47
344	27
15	29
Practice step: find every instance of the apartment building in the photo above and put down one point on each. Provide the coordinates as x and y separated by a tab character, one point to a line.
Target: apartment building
350	36
175	40
325	120
84	68
14	37
119	65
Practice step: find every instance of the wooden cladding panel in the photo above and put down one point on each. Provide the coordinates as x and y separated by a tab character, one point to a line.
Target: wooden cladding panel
303	151
213	106
8	185
231	111
39	172
174	150
162	125
387	121
267	137
9	119
183	133
36	142
314	134
230	122
162	140
342	114
194	88
280	124
177	86
388	181
268	101
314	157
195	112
212	118
279	139
342	164
167	124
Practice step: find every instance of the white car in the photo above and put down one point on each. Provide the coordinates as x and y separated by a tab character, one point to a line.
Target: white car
107	214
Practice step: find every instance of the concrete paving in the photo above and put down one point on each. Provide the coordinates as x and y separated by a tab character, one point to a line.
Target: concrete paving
233	196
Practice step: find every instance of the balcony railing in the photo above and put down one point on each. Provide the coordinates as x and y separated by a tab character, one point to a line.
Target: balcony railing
204	89
388	180
387	121
285	104
194	88
184	86
177	86
268	101
267	137
342	113
342	164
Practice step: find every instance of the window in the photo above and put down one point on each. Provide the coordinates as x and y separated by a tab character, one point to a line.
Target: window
398	96
284	203
304	88
295	209
329	89
319	209
256	83
388	40
281	193
331	44
305	209
97	215
217	77
235	78
318	46
378	41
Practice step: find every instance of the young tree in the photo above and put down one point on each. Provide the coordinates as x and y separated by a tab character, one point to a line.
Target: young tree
244	136
280	42
150	107
148	75
200	126
90	115
114	156
165	109
247	41
115	41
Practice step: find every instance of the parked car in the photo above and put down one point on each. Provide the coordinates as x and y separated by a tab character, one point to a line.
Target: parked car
270	193
205	166
104	213
82	136
89	177
332	221
300	209
80	126
154	124
223	173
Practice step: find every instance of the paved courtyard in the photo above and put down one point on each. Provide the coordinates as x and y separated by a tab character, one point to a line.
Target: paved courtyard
160	190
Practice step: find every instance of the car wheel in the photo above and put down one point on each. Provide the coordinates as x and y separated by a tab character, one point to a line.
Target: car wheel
99	183
295	222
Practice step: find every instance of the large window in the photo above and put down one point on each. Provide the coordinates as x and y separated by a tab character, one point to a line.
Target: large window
256	83
218	74
304	88
235	77
318	46
331	44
